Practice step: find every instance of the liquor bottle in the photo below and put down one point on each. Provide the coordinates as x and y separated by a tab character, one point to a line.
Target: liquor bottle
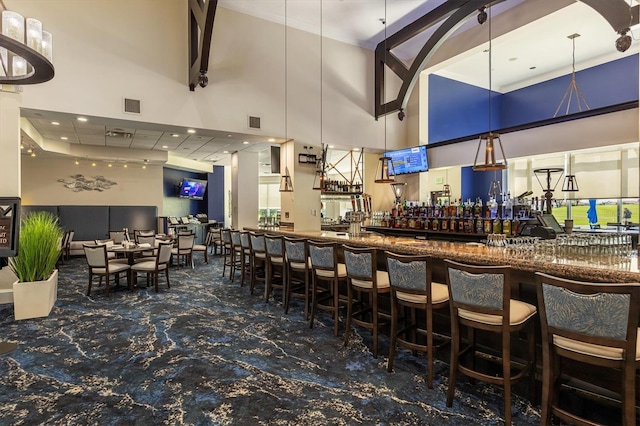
508	208
467	209
506	227
453	224
498	227
493	208
488	226
460	208
479	225
477	208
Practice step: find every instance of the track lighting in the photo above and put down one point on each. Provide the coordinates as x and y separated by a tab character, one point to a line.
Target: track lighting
482	15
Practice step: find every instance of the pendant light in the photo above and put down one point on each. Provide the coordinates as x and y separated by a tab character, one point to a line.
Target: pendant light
491	139
570	183
286	184
321	172
573	91
384	170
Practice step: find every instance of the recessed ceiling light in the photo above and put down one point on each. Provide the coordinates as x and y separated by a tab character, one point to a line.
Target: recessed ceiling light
55	123
33	154
144	166
83	119
109	165
93	164
331	146
165	146
125	166
191	131
77	162
271	140
225	152
228	136
245	143
356	149
64	138
174	135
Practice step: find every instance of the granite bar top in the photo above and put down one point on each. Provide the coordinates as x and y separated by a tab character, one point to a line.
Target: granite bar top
586	267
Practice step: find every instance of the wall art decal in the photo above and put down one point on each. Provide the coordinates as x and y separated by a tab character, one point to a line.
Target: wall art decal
79	183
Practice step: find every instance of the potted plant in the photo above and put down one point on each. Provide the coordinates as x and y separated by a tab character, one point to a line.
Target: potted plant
35	265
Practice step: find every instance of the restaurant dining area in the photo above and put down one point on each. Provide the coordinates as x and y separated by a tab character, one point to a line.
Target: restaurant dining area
317	212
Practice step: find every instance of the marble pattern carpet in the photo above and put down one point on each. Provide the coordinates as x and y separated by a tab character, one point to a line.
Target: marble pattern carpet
206	352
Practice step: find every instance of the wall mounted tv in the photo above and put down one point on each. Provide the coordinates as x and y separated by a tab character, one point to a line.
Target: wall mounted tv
409	160
193	189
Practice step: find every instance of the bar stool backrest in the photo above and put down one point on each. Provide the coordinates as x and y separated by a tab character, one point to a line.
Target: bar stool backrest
360	262
226	236
245	242
235	238
296	249
274	245
257	243
323	255
409	274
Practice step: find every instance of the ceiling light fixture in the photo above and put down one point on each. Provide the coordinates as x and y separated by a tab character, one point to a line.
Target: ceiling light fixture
570	183
192	131
33	154
55	123
321	164
271	140
489	139
384	170
245	143
83	119
623	43
573	90
26	52
174	135
482	15
64	138
77	162
286	184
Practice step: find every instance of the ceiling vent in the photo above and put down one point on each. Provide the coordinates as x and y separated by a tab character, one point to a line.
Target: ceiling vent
117	134
132	106
254	122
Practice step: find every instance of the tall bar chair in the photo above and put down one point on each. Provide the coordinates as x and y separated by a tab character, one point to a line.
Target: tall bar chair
258	259
225	235
480	299
592	323
275	270
327	276
298	272
413	289
246	260
364	282
236	254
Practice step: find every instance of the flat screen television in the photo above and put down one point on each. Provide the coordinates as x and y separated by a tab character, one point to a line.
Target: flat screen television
193	189
408	160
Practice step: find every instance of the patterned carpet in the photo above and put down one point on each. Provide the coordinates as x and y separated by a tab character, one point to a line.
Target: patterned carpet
206	352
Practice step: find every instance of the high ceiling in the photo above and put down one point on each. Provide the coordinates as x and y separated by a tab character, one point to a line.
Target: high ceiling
534	52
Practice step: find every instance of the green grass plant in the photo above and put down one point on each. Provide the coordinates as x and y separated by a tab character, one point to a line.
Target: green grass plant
39	247
607	213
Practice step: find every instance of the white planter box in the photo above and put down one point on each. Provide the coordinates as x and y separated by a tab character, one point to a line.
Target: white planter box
35	299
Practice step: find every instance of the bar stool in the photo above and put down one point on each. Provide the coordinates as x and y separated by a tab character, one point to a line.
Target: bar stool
326	278
258	259
413	289
225	235
236	254
480	299
245	260
298	270
275	270
366	281
592	323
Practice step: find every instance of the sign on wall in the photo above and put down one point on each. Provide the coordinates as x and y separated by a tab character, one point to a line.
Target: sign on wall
9	226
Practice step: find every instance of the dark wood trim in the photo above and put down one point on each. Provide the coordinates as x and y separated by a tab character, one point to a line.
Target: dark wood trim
201	17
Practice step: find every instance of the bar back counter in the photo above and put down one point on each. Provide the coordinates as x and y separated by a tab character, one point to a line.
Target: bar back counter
576	258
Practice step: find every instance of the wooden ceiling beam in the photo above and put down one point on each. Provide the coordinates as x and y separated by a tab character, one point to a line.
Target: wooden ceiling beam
202	13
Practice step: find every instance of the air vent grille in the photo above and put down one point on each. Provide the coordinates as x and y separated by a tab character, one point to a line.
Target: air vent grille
132	106
254	122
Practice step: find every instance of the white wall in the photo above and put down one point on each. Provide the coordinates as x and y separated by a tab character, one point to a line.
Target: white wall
134	186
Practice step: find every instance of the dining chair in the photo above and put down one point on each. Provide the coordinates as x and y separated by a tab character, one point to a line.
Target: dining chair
226	250
204	248
327	275
365	286
298	273
154	267
480	299
100	266
117	236
591	324
184	249
246	260
236	254
412	291
137	233
258	260
152	243
275	270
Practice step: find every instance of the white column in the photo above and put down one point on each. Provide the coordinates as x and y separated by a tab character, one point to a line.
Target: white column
9	144
244	189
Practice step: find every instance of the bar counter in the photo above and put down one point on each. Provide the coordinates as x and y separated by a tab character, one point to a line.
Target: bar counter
586	267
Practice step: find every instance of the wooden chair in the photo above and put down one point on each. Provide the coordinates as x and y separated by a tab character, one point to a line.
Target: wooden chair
184	249
137	233
216	245
117	236
153	244
297	272
258	260
480	299
591	323
153	268
412	289
226	250
246	260
65	247
204	248
365	285
100	266
327	276
275	270
236	255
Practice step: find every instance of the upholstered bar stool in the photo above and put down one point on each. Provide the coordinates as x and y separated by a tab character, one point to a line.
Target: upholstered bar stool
246	260
364	282
298	271
326	278
412	289
275	270
236	254
225	235
480	299
258	259
592	323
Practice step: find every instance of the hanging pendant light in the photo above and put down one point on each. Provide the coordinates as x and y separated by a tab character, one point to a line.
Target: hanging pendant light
321	173
286	184
570	183
491	139
384	170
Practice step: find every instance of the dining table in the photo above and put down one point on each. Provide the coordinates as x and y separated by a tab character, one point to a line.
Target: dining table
130	251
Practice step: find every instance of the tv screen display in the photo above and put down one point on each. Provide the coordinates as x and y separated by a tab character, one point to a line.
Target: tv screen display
408	160
193	189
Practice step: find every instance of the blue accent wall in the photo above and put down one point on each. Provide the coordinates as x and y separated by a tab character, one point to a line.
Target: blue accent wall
215	190
458	110
476	184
